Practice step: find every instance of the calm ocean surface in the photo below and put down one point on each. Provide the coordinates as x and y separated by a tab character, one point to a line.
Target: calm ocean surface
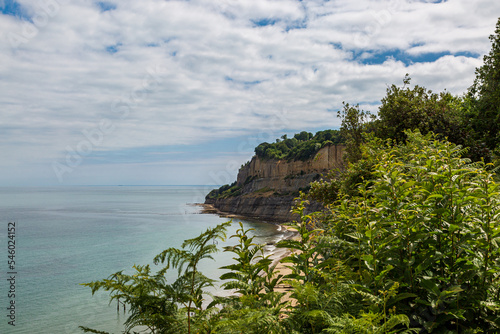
71	235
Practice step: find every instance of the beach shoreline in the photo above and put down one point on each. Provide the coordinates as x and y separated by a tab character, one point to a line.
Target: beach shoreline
211	209
270	249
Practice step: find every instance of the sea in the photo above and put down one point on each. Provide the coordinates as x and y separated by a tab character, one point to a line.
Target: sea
65	236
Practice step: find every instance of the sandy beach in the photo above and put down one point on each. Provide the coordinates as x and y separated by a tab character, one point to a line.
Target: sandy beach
275	253
279	254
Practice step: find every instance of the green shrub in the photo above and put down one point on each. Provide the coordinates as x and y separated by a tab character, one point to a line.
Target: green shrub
428	220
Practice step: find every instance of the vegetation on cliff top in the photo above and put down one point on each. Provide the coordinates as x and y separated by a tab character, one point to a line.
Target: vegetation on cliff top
225	191
302	146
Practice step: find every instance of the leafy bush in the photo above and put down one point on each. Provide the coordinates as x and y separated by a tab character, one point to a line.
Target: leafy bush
429	221
405	108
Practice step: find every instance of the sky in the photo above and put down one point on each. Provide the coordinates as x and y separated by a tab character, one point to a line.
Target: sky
157	92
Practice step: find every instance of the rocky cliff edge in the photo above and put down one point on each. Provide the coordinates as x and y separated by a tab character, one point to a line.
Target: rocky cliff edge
266	189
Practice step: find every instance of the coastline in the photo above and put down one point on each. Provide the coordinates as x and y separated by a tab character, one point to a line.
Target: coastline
276	254
282	269
270	249
211	209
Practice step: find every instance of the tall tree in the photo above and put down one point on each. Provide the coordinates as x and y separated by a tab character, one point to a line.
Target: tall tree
352	129
484	96
405	108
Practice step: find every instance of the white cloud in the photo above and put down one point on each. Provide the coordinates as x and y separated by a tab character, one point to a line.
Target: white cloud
216	72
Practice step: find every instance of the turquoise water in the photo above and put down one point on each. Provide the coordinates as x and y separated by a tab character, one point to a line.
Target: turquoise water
71	235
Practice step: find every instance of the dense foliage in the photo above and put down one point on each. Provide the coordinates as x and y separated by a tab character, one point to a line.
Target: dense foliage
428	221
302	146
406	108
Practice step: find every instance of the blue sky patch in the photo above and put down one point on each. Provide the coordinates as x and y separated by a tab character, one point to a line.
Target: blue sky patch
246	84
299	24
13	8
336	45
112	49
379	57
467	54
105	6
265	22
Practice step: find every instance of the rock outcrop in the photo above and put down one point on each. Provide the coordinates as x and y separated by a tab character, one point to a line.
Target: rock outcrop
266	189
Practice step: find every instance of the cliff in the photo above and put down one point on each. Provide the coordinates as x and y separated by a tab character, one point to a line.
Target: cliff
266	189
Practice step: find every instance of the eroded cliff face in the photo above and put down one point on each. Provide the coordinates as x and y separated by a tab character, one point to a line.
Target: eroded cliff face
264	208
283	176
268	188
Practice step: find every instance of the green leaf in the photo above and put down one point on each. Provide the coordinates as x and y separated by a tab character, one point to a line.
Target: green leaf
450	292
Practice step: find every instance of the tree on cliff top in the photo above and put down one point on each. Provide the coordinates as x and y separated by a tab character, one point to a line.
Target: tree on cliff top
484	96
302	146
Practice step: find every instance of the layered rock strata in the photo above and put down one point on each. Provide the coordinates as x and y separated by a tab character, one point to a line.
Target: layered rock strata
268	187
